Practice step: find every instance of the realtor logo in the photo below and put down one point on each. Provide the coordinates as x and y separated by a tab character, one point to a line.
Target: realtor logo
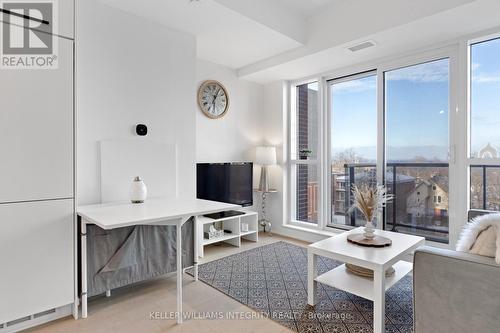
28	40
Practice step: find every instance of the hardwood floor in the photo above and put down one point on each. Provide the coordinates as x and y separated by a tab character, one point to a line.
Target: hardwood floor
129	309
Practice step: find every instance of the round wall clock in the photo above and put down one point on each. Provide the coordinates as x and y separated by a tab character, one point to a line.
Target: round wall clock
213	99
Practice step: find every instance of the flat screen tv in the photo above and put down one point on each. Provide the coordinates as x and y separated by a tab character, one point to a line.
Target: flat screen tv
225	182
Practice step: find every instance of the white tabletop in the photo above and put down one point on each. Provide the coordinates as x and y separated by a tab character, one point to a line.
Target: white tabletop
401	243
124	214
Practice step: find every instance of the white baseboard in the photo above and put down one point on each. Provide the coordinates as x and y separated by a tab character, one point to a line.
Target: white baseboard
36	319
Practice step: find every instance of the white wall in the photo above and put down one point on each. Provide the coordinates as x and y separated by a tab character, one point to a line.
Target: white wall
131	71
233	137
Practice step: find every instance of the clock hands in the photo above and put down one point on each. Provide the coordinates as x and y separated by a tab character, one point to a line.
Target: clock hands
217	101
214	99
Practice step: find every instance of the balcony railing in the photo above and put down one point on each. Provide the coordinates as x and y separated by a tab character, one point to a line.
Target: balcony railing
485	187
420	205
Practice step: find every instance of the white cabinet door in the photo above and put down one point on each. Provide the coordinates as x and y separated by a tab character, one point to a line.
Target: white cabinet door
36	131
36	257
66	15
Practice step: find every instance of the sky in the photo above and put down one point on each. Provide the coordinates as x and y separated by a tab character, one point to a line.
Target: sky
417	108
416	113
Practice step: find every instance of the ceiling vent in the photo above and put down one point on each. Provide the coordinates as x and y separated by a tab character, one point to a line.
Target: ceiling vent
362	46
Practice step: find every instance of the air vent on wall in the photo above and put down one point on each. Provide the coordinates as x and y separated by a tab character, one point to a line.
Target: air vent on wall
32	320
361	46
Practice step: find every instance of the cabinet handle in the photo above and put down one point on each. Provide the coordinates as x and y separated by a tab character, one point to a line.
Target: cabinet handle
8	12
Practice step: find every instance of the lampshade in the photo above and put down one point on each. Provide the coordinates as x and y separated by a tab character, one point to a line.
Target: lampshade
265	155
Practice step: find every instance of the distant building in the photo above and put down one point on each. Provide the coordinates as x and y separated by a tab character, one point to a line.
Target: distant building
488	152
339	193
341	185
429	199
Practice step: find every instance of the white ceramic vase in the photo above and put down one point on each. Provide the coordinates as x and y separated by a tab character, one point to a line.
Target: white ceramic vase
138	191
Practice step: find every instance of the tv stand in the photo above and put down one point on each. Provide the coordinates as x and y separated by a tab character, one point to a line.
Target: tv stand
221	215
232	224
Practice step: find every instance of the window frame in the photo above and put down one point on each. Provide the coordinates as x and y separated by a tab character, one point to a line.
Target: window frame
452	52
328	144
460	124
293	163
471	162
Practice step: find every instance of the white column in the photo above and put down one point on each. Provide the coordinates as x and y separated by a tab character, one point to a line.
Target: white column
84	266
179	271
379	301
312	273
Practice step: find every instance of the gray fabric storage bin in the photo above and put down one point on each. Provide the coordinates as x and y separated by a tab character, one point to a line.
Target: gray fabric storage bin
123	256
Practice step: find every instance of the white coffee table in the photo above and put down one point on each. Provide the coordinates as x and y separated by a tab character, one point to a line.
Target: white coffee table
376	259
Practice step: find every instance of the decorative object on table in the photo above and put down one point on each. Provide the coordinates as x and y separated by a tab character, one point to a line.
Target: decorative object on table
370	200
481	236
244	227
304	154
367	273
265	156
213	233
213	99
361	240
138	191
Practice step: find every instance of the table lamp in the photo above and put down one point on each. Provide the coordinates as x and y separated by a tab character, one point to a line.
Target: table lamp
265	156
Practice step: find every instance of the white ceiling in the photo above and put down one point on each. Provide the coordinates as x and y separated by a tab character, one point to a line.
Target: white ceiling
267	40
224	34
306	7
419	28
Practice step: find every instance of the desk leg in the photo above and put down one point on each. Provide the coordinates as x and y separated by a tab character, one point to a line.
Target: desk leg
179	272
312	273
196	248
84	267
379	301
76	235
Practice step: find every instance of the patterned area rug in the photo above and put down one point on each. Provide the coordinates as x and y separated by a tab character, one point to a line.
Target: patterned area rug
272	279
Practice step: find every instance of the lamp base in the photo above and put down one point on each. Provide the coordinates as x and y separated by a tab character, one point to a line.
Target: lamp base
264	183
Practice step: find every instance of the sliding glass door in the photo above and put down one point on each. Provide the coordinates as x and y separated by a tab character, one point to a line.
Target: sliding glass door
353	143
416	149
406	111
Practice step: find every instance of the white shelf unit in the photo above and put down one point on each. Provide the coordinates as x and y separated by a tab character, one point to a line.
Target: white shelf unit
233	224
340	278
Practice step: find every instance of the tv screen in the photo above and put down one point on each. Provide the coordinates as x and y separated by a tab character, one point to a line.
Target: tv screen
225	182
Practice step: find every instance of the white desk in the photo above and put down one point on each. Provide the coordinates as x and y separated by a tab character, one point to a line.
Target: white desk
376	259
173	212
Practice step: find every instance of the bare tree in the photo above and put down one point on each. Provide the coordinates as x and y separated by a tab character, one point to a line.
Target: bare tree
348	156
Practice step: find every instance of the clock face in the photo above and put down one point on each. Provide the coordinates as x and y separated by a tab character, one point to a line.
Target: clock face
213	99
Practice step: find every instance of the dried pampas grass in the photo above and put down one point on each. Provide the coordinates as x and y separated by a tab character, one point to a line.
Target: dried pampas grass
370	199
